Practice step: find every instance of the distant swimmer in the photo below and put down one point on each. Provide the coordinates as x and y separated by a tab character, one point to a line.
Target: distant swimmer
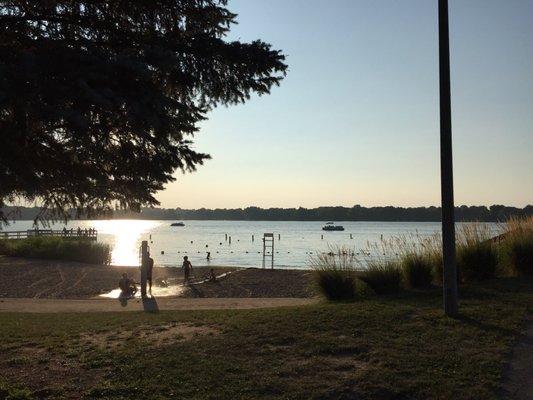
212	276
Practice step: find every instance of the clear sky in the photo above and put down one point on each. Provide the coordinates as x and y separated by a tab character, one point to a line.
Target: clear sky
356	119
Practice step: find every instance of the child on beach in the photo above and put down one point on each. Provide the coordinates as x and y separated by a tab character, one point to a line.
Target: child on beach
187	268
127	286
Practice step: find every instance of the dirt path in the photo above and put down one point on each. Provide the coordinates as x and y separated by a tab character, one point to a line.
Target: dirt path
151	305
518	376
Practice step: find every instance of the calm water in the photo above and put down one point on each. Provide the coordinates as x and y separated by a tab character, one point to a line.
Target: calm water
294	246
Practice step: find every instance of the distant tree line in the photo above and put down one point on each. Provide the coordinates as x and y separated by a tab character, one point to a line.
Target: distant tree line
356	213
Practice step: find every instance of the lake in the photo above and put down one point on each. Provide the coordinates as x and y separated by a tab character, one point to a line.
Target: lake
295	241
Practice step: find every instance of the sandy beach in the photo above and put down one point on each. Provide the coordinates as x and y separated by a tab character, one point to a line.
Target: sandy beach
45	279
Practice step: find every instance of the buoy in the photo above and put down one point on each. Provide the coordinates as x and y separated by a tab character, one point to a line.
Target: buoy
162	252
191	241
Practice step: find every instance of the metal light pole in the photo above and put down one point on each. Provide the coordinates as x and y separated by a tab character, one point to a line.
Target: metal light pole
451	306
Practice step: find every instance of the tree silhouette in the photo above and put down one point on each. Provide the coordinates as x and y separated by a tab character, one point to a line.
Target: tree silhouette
99	100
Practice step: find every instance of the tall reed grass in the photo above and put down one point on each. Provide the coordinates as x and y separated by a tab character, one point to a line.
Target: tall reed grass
415	261
56	248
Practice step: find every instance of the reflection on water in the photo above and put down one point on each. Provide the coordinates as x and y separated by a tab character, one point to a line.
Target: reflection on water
125	238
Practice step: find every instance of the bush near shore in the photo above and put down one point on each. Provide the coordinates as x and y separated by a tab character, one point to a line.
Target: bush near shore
56	248
414	262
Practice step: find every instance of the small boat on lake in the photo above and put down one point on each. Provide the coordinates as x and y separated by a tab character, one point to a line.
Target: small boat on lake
177	224
330	226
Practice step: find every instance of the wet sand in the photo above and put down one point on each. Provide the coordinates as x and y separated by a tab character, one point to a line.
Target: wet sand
32	278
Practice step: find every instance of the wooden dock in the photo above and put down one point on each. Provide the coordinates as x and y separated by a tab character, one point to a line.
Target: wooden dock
90	234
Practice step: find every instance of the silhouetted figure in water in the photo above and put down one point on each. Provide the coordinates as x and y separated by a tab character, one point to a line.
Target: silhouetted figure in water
187	268
208	256
149	272
127	286
212	276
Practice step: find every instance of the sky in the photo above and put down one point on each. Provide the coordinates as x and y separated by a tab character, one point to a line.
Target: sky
356	120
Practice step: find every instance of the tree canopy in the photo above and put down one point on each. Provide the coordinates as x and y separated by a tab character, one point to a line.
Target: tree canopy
100	100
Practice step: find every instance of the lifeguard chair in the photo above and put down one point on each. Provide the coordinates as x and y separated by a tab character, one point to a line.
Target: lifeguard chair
268	249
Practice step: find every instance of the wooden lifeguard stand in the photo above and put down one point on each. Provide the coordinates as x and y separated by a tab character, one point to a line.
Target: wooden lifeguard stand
268	249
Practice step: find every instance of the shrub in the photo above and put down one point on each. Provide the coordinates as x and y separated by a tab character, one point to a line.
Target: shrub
417	270
516	249
56	248
335	274
383	277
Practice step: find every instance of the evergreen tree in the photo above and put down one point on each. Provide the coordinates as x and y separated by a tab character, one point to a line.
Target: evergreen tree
99	100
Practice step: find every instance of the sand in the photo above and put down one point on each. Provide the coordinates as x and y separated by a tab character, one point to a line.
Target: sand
32	278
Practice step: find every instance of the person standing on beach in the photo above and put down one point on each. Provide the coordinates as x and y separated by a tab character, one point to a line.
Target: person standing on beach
149	272
187	268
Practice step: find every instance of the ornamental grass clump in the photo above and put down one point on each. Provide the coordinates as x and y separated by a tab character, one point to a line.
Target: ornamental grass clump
516	248
477	255
335	274
417	270
383	277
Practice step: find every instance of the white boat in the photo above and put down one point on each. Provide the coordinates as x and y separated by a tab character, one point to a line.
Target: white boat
330	226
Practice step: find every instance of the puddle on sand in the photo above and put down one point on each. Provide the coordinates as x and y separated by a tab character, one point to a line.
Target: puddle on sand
157	291
163	291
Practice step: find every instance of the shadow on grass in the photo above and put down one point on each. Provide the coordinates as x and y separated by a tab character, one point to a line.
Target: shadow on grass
490	328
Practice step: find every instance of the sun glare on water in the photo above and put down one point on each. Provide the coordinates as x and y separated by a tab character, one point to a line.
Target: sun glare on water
125	237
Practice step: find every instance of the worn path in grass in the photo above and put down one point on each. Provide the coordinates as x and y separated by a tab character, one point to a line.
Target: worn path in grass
518	376
148	304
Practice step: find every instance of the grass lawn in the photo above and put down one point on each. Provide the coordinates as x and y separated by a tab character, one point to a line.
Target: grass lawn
400	347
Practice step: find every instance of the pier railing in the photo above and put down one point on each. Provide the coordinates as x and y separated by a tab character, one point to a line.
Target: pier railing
90	234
